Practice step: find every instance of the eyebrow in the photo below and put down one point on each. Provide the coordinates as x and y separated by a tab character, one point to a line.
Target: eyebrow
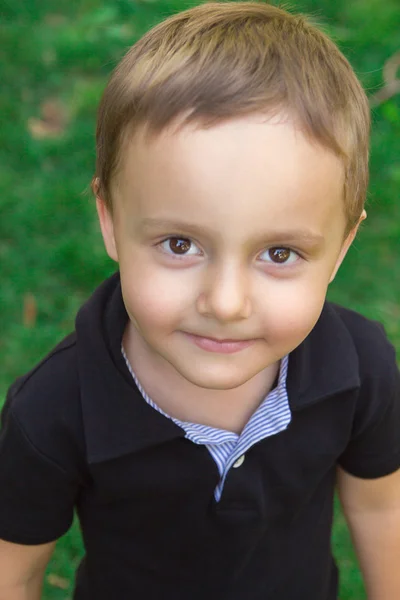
304	236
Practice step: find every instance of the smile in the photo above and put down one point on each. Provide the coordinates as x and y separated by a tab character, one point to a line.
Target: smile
221	346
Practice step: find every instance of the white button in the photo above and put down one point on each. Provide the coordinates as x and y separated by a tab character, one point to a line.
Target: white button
239	462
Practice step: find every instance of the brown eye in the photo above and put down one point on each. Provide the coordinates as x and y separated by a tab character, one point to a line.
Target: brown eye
179	245
279	255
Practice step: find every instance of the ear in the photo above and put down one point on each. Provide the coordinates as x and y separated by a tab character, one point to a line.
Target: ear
106	225
346	245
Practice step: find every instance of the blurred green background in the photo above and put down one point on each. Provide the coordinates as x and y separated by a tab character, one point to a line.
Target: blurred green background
55	59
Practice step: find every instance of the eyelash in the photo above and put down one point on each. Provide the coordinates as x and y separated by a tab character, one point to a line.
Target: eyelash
182	256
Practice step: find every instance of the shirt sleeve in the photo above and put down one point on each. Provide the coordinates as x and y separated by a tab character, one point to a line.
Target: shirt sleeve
374	448
36	496
41	463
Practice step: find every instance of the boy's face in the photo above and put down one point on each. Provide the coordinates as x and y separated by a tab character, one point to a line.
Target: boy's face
231	233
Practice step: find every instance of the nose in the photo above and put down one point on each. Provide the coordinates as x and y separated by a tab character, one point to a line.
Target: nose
225	295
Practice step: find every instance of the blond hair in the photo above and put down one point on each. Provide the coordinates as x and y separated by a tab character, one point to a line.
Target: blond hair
221	60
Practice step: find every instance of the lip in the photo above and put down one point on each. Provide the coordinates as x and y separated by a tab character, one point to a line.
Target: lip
221	346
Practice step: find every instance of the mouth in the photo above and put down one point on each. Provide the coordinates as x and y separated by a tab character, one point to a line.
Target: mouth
223	346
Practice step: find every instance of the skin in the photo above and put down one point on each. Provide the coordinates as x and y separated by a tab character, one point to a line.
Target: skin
232	194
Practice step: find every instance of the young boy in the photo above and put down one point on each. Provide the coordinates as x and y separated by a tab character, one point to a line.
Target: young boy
210	400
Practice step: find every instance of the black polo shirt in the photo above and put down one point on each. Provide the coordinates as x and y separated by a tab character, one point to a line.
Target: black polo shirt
76	433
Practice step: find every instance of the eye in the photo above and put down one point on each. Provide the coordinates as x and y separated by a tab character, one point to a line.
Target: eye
179	246
280	256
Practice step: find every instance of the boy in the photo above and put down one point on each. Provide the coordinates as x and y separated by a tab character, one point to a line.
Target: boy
210	399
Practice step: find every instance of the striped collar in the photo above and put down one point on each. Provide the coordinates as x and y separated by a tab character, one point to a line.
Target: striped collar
273	413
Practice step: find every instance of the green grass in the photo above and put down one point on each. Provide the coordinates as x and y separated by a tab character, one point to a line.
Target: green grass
50	246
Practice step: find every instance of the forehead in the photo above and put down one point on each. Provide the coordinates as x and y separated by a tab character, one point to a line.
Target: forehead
246	172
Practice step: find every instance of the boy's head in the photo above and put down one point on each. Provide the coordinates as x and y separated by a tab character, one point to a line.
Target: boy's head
231	176
218	61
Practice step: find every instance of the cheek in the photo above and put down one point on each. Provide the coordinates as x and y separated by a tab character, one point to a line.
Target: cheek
290	314
154	300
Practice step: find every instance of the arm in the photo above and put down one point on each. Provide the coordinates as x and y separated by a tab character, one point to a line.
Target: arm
372	511
22	569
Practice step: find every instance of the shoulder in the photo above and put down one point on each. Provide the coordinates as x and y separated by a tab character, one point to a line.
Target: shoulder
378	398
45	402
376	354
361	328
48	385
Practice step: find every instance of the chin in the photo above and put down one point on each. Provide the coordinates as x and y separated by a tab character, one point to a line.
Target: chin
216	381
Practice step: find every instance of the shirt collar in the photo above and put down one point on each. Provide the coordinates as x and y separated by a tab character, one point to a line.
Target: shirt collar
117	421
